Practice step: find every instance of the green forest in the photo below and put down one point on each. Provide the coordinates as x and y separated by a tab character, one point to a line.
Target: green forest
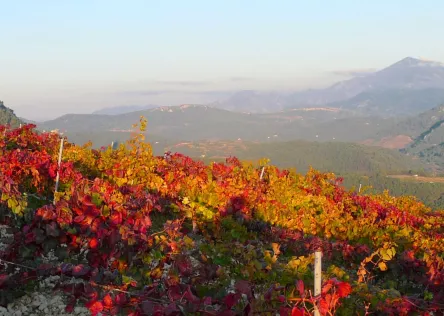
432	194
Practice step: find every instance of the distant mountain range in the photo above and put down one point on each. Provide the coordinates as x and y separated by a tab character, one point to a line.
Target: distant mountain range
409	73
407	87
116	110
394	102
196	122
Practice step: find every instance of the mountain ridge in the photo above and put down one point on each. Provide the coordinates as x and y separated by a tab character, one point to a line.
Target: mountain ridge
390	88
122	109
8	117
408	73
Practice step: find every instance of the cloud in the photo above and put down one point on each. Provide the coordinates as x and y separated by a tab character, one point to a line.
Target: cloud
183	83
146	92
354	72
238	79
172	91
215	92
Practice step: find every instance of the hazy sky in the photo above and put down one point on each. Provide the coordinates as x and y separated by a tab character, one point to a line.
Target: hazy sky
78	56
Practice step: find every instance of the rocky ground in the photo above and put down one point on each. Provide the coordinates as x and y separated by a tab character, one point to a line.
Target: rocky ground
42	300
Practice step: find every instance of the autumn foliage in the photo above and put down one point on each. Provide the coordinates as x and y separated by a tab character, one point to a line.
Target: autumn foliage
137	234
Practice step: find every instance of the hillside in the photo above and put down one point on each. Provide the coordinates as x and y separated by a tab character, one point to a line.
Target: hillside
192	123
429	190
328	157
394	102
424	134
7	116
133	234
433	154
415	125
182	123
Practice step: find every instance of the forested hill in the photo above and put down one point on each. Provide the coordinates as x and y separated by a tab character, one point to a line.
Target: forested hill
7	116
335	157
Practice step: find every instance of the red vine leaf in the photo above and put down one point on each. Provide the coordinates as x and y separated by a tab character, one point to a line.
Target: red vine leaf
108	300
243	287
344	289
300	287
95	307
231	299
296	311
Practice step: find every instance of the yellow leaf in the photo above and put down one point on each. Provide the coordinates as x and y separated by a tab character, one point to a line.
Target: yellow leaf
382	266
275	247
387	254
188	241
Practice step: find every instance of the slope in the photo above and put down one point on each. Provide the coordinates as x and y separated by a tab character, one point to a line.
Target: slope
335	157
192	123
7	116
425	133
393	102
408	73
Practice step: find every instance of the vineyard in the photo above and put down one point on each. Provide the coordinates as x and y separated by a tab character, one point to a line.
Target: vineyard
130	233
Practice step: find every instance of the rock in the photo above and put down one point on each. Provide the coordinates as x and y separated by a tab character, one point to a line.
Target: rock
43	305
78	310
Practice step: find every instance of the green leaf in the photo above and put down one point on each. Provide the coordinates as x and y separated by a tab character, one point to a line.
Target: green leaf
95	197
27	252
222	261
62	253
50	244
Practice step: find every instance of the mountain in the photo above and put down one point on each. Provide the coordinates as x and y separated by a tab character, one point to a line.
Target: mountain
197	122
409	73
407	87
124	109
394	102
7	116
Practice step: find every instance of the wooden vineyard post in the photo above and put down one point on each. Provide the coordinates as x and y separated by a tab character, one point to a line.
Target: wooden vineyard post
317	279
360	186
112	145
262	173
58	168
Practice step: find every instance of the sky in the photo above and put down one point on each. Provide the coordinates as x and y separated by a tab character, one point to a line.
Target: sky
59	57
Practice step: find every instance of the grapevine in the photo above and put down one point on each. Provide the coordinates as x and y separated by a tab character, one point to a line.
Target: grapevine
136	234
